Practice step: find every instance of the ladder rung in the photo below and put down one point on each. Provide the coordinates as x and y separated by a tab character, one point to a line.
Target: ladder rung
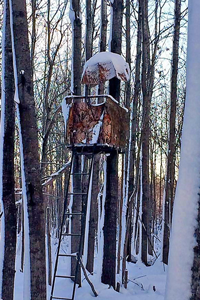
60	298
74	214
67	255
64	276
71	234
80	174
85	154
77	194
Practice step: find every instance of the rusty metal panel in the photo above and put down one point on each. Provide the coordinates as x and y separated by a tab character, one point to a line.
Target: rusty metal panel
115	124
104	124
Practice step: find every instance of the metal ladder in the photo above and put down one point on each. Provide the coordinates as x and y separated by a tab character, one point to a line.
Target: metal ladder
85	177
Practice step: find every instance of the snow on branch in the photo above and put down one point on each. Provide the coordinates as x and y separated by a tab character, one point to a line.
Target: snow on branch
57	174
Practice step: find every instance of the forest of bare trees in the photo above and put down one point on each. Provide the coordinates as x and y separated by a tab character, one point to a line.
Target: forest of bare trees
45	44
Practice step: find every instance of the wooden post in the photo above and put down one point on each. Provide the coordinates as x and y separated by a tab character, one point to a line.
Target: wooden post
110	224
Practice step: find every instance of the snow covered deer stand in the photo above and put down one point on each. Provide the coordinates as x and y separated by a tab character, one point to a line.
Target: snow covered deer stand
96	130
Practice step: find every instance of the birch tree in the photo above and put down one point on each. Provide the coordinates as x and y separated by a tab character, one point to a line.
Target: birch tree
183	278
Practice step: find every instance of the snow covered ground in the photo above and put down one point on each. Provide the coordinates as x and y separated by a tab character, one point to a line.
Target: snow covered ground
145	283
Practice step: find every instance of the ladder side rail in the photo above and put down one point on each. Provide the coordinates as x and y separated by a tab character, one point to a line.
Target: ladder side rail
85	203
62	224
83	220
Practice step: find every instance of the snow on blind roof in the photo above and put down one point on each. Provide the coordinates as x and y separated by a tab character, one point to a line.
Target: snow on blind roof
104	66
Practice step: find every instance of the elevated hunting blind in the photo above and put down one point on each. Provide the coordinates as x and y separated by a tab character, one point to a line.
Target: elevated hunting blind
94	125
90	123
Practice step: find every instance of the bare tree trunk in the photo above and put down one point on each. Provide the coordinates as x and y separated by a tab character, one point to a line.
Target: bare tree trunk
116	43
104	21
95	182
103	35
151	200
170	178
161	176
134	128
145	130
111	204
76	60
48	226
148	67
8	195
88	36
93	215
121	197
22	245
33	33
110	224
195	288
30	158
128	50
76	88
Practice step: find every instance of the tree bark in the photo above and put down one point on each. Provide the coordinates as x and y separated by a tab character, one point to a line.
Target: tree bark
116	43
134	129
111	204
93	215
8	195
88	36
170	178
145	129
33	33
128	51
76	57
103	36
110	223
35	206
76	86
104	22
49	258
195	286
